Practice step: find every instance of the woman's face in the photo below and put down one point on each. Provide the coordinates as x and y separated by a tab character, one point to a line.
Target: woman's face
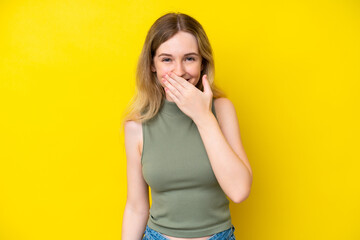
180	55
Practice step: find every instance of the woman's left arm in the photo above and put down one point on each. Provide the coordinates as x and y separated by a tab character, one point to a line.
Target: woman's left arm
223	145
222	140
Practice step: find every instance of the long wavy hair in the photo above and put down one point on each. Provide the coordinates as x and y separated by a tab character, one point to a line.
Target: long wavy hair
150	95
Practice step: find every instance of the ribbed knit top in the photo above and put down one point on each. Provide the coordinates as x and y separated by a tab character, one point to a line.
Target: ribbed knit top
187	200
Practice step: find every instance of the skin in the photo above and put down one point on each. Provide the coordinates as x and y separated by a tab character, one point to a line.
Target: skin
179	74
179	55
178	66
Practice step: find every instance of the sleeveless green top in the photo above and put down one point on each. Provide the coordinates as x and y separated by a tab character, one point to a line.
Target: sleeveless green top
187	200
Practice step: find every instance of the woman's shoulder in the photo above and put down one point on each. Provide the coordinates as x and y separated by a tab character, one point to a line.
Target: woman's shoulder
222	100
132	125
133	132
223	106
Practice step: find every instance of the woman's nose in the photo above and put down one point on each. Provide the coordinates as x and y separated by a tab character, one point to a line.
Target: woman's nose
179	69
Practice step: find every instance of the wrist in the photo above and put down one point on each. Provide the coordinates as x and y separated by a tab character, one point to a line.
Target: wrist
203	120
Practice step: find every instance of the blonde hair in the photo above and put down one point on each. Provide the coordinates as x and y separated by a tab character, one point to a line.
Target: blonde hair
150	94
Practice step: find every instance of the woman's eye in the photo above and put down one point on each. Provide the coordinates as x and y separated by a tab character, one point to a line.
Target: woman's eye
166	60
190	59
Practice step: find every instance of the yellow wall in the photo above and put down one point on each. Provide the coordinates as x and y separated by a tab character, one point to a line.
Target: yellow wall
67	72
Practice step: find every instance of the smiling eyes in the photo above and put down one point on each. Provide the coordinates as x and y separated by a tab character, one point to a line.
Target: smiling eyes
191	59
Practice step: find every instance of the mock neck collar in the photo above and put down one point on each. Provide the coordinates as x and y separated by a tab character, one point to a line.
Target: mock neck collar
171	109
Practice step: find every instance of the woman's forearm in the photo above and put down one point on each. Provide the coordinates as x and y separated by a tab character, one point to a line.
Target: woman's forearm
134	223
232	174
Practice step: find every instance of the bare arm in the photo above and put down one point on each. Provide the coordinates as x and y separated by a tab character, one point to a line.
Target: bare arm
225	151
136	211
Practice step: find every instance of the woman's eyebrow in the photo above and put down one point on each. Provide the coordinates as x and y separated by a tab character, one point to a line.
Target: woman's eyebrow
192	53
166	54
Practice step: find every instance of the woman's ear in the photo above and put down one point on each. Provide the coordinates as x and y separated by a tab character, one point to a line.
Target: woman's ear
153	69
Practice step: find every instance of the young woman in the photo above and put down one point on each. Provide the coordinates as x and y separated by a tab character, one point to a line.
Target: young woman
182	139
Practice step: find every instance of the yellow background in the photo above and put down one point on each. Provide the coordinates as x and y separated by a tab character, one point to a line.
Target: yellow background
291	68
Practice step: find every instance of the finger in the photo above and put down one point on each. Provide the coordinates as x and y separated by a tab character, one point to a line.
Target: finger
206	84
181	81
173	97
174	83
171	87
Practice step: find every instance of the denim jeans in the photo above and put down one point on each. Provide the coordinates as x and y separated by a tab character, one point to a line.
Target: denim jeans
151	234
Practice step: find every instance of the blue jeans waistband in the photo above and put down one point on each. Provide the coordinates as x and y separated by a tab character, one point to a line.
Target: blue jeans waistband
151	234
